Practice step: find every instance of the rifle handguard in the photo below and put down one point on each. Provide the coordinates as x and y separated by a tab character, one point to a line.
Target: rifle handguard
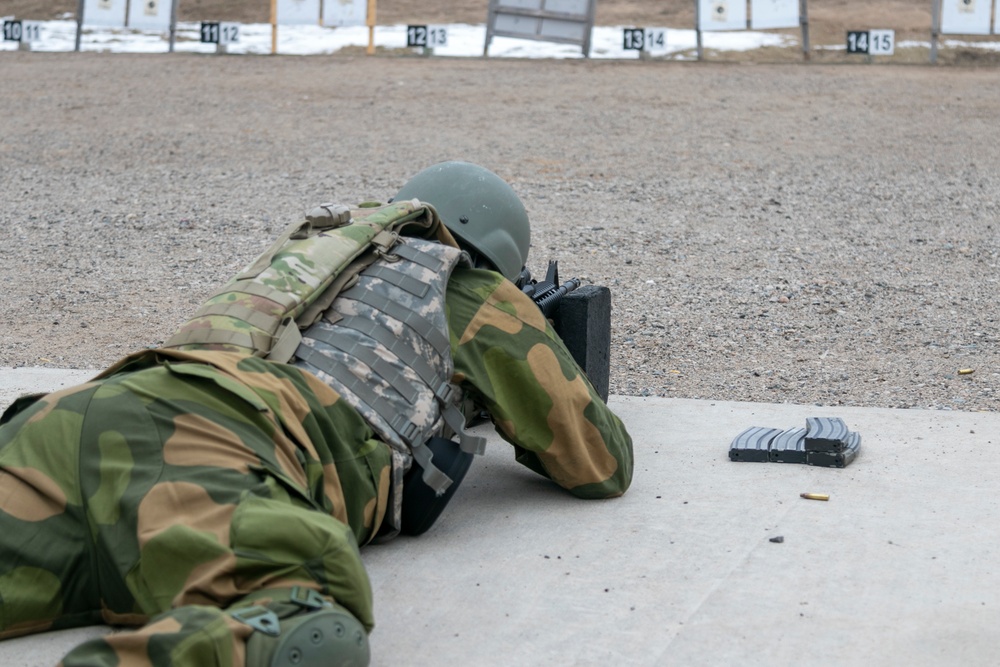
548	301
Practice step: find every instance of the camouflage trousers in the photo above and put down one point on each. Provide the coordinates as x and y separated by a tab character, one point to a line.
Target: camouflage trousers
110	514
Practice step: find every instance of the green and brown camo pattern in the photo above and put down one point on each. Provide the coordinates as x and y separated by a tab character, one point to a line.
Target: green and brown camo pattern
178	482
510	360
183	481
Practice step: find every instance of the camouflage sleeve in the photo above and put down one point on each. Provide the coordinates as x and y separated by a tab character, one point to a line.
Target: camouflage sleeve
335	458
176	485
508	356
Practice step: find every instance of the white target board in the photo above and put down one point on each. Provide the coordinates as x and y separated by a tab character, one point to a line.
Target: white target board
766	14
109	13
965	17
149	14
340	13
298	12
722	15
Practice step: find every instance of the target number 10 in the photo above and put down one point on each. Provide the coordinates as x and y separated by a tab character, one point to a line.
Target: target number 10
21	31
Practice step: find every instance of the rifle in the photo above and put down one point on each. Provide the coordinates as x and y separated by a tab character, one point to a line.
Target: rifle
546	293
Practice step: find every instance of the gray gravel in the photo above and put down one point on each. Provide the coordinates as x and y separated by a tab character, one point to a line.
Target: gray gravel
781	233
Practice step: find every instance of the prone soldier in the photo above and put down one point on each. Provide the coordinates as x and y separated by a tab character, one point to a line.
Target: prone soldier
214	492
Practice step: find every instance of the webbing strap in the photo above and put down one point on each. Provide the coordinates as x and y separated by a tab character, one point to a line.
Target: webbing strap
385	240
259	342
255	318
406	428
259	618
424	328
340	372
285	299
432	476
394	344
322	218
348	278
472	444
308	598
326	333
401	280
286	342
264	260
420	257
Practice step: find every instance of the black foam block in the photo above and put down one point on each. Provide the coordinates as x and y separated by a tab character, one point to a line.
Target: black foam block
583	321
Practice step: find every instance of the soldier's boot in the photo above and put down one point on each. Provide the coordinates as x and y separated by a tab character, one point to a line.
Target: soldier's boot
298	628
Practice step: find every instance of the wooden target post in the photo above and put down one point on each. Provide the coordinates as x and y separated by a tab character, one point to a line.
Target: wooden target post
274	27
371	27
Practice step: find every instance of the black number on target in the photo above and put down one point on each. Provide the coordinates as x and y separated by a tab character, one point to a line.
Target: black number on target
633	39
416	35
857	41
12	31
210	32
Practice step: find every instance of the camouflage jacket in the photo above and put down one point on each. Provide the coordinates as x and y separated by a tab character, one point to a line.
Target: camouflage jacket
180	479
509	361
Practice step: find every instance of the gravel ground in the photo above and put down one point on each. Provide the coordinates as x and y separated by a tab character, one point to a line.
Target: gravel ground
779	233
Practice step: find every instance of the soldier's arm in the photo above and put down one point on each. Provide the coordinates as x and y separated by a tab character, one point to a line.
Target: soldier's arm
509	357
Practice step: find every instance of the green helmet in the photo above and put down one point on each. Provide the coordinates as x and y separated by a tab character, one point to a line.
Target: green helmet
479	208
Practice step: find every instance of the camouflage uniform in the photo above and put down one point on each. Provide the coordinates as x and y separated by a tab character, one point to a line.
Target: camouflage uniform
180	486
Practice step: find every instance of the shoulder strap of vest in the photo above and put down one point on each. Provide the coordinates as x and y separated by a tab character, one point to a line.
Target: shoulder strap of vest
320	219
288	286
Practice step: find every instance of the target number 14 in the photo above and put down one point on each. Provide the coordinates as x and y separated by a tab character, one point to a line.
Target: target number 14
871	42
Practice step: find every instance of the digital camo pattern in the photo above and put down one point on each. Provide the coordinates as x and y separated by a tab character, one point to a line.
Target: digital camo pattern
383	345
245	314
396	388
179	484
